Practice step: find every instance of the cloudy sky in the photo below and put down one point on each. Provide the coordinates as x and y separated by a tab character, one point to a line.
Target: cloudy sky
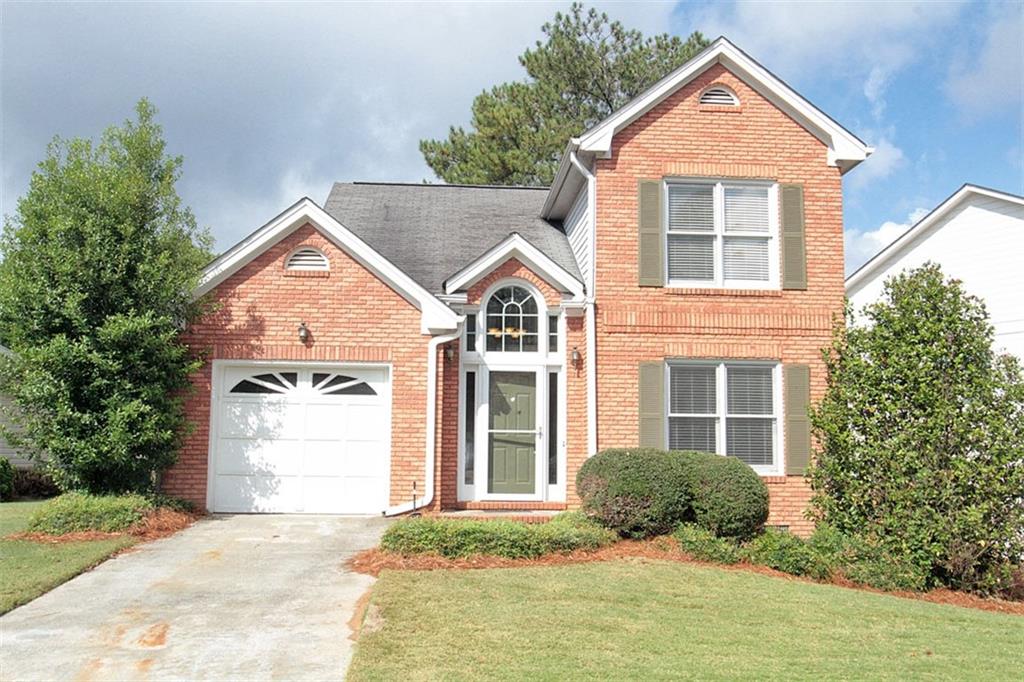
268	102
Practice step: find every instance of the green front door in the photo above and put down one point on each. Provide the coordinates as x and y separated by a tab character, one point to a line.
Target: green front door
512	433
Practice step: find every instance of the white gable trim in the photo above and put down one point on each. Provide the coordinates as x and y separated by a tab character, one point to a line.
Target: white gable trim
845	150
867	272
435	315
515	246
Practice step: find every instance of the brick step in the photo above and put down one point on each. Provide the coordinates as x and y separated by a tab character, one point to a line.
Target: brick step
498	505
523	515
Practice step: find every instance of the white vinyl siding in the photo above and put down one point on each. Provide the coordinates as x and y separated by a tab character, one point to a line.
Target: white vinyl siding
722	234
579	231
729	408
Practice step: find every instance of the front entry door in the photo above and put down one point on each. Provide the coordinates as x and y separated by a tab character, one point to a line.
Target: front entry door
512	433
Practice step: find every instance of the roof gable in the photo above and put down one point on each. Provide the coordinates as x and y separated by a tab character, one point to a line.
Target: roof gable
925	226
515	246
435	315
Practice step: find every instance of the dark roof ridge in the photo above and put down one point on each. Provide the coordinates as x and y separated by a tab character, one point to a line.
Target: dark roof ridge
432	184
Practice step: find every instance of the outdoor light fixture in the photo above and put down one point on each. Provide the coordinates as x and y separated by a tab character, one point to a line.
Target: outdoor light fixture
449	353
303	333
576	357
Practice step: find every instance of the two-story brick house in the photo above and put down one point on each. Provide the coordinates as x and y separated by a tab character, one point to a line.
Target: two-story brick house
453	347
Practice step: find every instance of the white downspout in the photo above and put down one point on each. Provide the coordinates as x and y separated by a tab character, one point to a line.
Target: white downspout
428	474
591	315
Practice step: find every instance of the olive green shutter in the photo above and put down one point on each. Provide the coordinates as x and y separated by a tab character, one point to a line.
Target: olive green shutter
651	262
652	405
796	381
794	249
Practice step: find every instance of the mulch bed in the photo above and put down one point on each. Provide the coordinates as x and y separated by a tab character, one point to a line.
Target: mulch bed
373	561
159	523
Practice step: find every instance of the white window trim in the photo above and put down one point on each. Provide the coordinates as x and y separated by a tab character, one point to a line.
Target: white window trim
719	281
721	406
544	311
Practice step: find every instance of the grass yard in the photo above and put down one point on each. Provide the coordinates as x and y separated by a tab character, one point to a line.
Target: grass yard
656	620
28	569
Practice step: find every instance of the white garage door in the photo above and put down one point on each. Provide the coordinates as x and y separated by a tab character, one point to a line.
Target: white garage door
301	439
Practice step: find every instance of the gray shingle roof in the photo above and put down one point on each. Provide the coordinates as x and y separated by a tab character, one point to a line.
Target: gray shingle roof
433	231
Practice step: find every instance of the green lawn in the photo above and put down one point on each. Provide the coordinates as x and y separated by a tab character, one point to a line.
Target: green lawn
656	620
28	569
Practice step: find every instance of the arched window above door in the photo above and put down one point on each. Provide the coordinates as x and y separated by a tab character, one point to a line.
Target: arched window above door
512	322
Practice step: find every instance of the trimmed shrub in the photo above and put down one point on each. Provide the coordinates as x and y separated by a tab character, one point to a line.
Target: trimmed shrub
636	492
78	512
788	553
727	496
34	483
6	480
458	538
702	544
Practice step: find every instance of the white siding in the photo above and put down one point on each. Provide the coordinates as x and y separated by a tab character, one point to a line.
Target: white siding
6	451
579	230
981	243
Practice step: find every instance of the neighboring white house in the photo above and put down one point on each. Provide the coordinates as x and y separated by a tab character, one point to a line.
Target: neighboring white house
976	236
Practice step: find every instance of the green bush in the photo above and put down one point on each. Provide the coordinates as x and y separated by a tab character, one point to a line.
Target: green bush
457	538
77	512
920	431
728	498
6	480
702	544
783	551
636	492
865	562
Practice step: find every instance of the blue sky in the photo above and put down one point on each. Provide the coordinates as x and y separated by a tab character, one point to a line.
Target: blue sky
269	102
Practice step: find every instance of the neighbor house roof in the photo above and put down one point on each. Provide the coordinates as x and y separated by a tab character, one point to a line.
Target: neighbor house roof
432	232
920	229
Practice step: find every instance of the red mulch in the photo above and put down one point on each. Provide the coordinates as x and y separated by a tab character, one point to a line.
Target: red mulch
158	524
373	561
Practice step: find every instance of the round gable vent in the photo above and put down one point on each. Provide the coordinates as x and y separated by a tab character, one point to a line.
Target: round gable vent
720	96
307	258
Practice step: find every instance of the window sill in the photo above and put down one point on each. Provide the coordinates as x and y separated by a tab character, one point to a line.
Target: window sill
713	291
318	274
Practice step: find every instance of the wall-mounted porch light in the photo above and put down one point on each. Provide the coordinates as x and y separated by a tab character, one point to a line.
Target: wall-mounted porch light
303	333
576	357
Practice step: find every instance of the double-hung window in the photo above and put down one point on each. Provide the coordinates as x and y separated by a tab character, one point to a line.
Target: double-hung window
722	234
726	408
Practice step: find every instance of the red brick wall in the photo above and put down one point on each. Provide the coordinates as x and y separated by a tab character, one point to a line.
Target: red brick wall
681	137
352	316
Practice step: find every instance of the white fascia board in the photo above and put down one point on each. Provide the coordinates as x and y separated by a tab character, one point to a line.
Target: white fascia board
845	150
435	315
865	273
564	168
515	246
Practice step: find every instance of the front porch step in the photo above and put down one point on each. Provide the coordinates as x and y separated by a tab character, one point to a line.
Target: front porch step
497	505
523	515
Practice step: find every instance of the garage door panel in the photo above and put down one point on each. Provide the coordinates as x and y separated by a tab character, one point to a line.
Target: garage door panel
326	421
299	450
366	422
267	494
260	457
262	419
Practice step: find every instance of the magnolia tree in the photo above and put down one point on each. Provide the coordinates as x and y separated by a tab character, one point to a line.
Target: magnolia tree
921	434
99	263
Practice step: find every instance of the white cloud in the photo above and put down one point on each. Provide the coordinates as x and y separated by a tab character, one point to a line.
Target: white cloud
990	79
887	159
860	245
874	89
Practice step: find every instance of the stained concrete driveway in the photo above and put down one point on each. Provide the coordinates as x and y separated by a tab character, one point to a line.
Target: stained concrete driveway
233	597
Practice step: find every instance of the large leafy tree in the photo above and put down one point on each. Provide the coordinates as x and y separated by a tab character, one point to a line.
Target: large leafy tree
99	262
921	434
587	67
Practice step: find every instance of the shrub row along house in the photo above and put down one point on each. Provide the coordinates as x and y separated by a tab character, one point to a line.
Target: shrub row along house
463	347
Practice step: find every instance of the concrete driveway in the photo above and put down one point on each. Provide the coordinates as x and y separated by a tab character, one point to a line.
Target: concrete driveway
233	597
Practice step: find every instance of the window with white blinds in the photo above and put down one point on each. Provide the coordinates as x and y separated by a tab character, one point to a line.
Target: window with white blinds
722	234
726	408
